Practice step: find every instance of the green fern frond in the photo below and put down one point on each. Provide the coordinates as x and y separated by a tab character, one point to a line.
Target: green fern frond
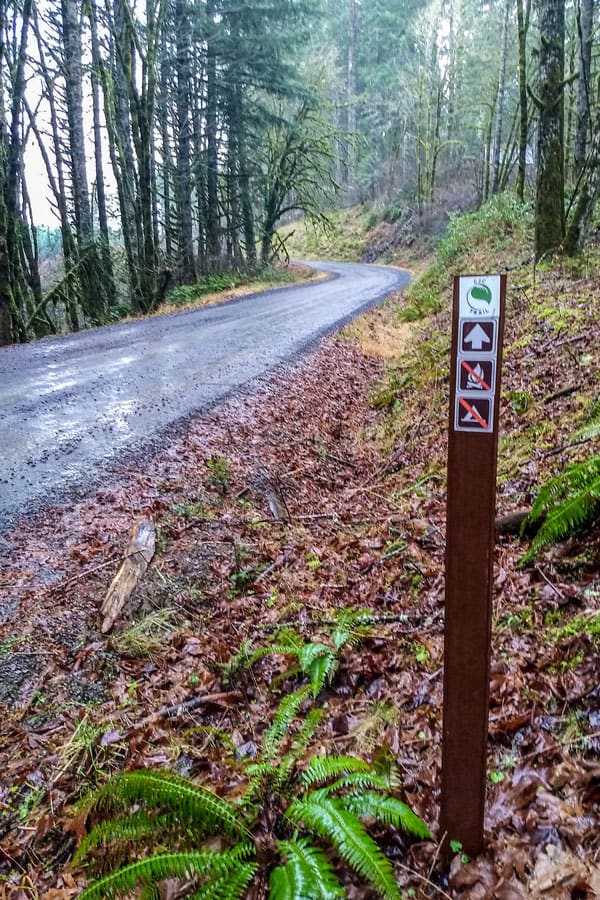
159	789
352	782
230	886
329	819
307	874
322	769
572	480
192	864
386	809
284	773
259	776
589	431
351	625
287	643
132	829
384	763
238	661
319	662
284	716
306	732
289	637
149	892
565	504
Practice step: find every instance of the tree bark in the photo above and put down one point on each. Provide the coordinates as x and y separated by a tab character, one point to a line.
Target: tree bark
185	263
107	267
587	196
585	19
522	26
549	207
497	155
212	153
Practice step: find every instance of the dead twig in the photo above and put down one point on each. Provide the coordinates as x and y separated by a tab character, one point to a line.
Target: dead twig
277	564
563	392
86	572
556	590
223	698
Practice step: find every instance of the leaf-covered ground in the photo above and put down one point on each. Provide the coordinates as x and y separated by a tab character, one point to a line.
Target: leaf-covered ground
323	489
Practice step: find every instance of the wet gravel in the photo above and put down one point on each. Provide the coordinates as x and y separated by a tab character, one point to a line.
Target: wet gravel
73	405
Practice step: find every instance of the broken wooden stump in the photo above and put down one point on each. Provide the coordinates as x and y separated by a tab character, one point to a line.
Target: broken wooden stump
138	555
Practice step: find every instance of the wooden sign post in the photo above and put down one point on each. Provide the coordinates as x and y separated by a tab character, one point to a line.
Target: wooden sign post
477	330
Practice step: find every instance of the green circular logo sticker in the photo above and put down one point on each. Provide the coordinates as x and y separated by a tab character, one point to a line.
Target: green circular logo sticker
479	297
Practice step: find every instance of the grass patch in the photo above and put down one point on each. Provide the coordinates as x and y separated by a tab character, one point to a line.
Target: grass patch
149	635
378	331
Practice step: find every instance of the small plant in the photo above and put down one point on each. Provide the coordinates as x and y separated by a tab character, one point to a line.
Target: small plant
457	847
520	401
315	660
147	636
274	834
219	469
313	561
421	653
191	509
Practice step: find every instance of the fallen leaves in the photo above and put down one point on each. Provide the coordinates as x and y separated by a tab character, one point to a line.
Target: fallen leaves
316	516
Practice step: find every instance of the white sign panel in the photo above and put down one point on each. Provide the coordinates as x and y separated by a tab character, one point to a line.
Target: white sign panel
479	296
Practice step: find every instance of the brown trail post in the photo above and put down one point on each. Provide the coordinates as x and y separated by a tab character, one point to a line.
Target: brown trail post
477	331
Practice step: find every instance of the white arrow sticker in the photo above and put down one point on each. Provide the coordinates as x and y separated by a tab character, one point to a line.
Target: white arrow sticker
477	338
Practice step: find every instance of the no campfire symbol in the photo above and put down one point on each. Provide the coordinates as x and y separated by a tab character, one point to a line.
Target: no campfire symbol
476	375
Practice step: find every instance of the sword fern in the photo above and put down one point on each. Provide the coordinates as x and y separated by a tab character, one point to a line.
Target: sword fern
565	504
277	832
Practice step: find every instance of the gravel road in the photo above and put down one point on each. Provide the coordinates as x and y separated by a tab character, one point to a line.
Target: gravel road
71	405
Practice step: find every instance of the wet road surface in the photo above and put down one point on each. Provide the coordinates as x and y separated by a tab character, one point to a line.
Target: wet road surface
72	404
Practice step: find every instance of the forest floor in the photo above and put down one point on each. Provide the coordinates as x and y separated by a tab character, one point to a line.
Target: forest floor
323	490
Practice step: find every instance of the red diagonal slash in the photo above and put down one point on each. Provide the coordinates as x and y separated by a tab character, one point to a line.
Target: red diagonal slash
472	372
473	412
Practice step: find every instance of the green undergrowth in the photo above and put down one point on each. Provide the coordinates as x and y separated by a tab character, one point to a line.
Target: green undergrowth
344	238
551	308
218	283
294	820
499	230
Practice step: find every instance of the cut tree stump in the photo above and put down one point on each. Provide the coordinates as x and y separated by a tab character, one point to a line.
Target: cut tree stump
138	555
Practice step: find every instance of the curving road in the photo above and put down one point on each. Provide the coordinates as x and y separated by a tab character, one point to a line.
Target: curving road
70	404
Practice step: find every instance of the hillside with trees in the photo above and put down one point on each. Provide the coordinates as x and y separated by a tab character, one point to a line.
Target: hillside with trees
171	138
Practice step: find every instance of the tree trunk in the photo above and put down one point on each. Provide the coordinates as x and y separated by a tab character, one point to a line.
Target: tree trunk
500	104
90	275
549	211
185	264
212	153
69	293
522	25
588	195
108	275
585	20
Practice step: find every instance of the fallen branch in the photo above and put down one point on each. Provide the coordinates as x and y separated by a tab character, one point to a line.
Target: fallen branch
224	698
563	392
138	555
511	522
280	561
